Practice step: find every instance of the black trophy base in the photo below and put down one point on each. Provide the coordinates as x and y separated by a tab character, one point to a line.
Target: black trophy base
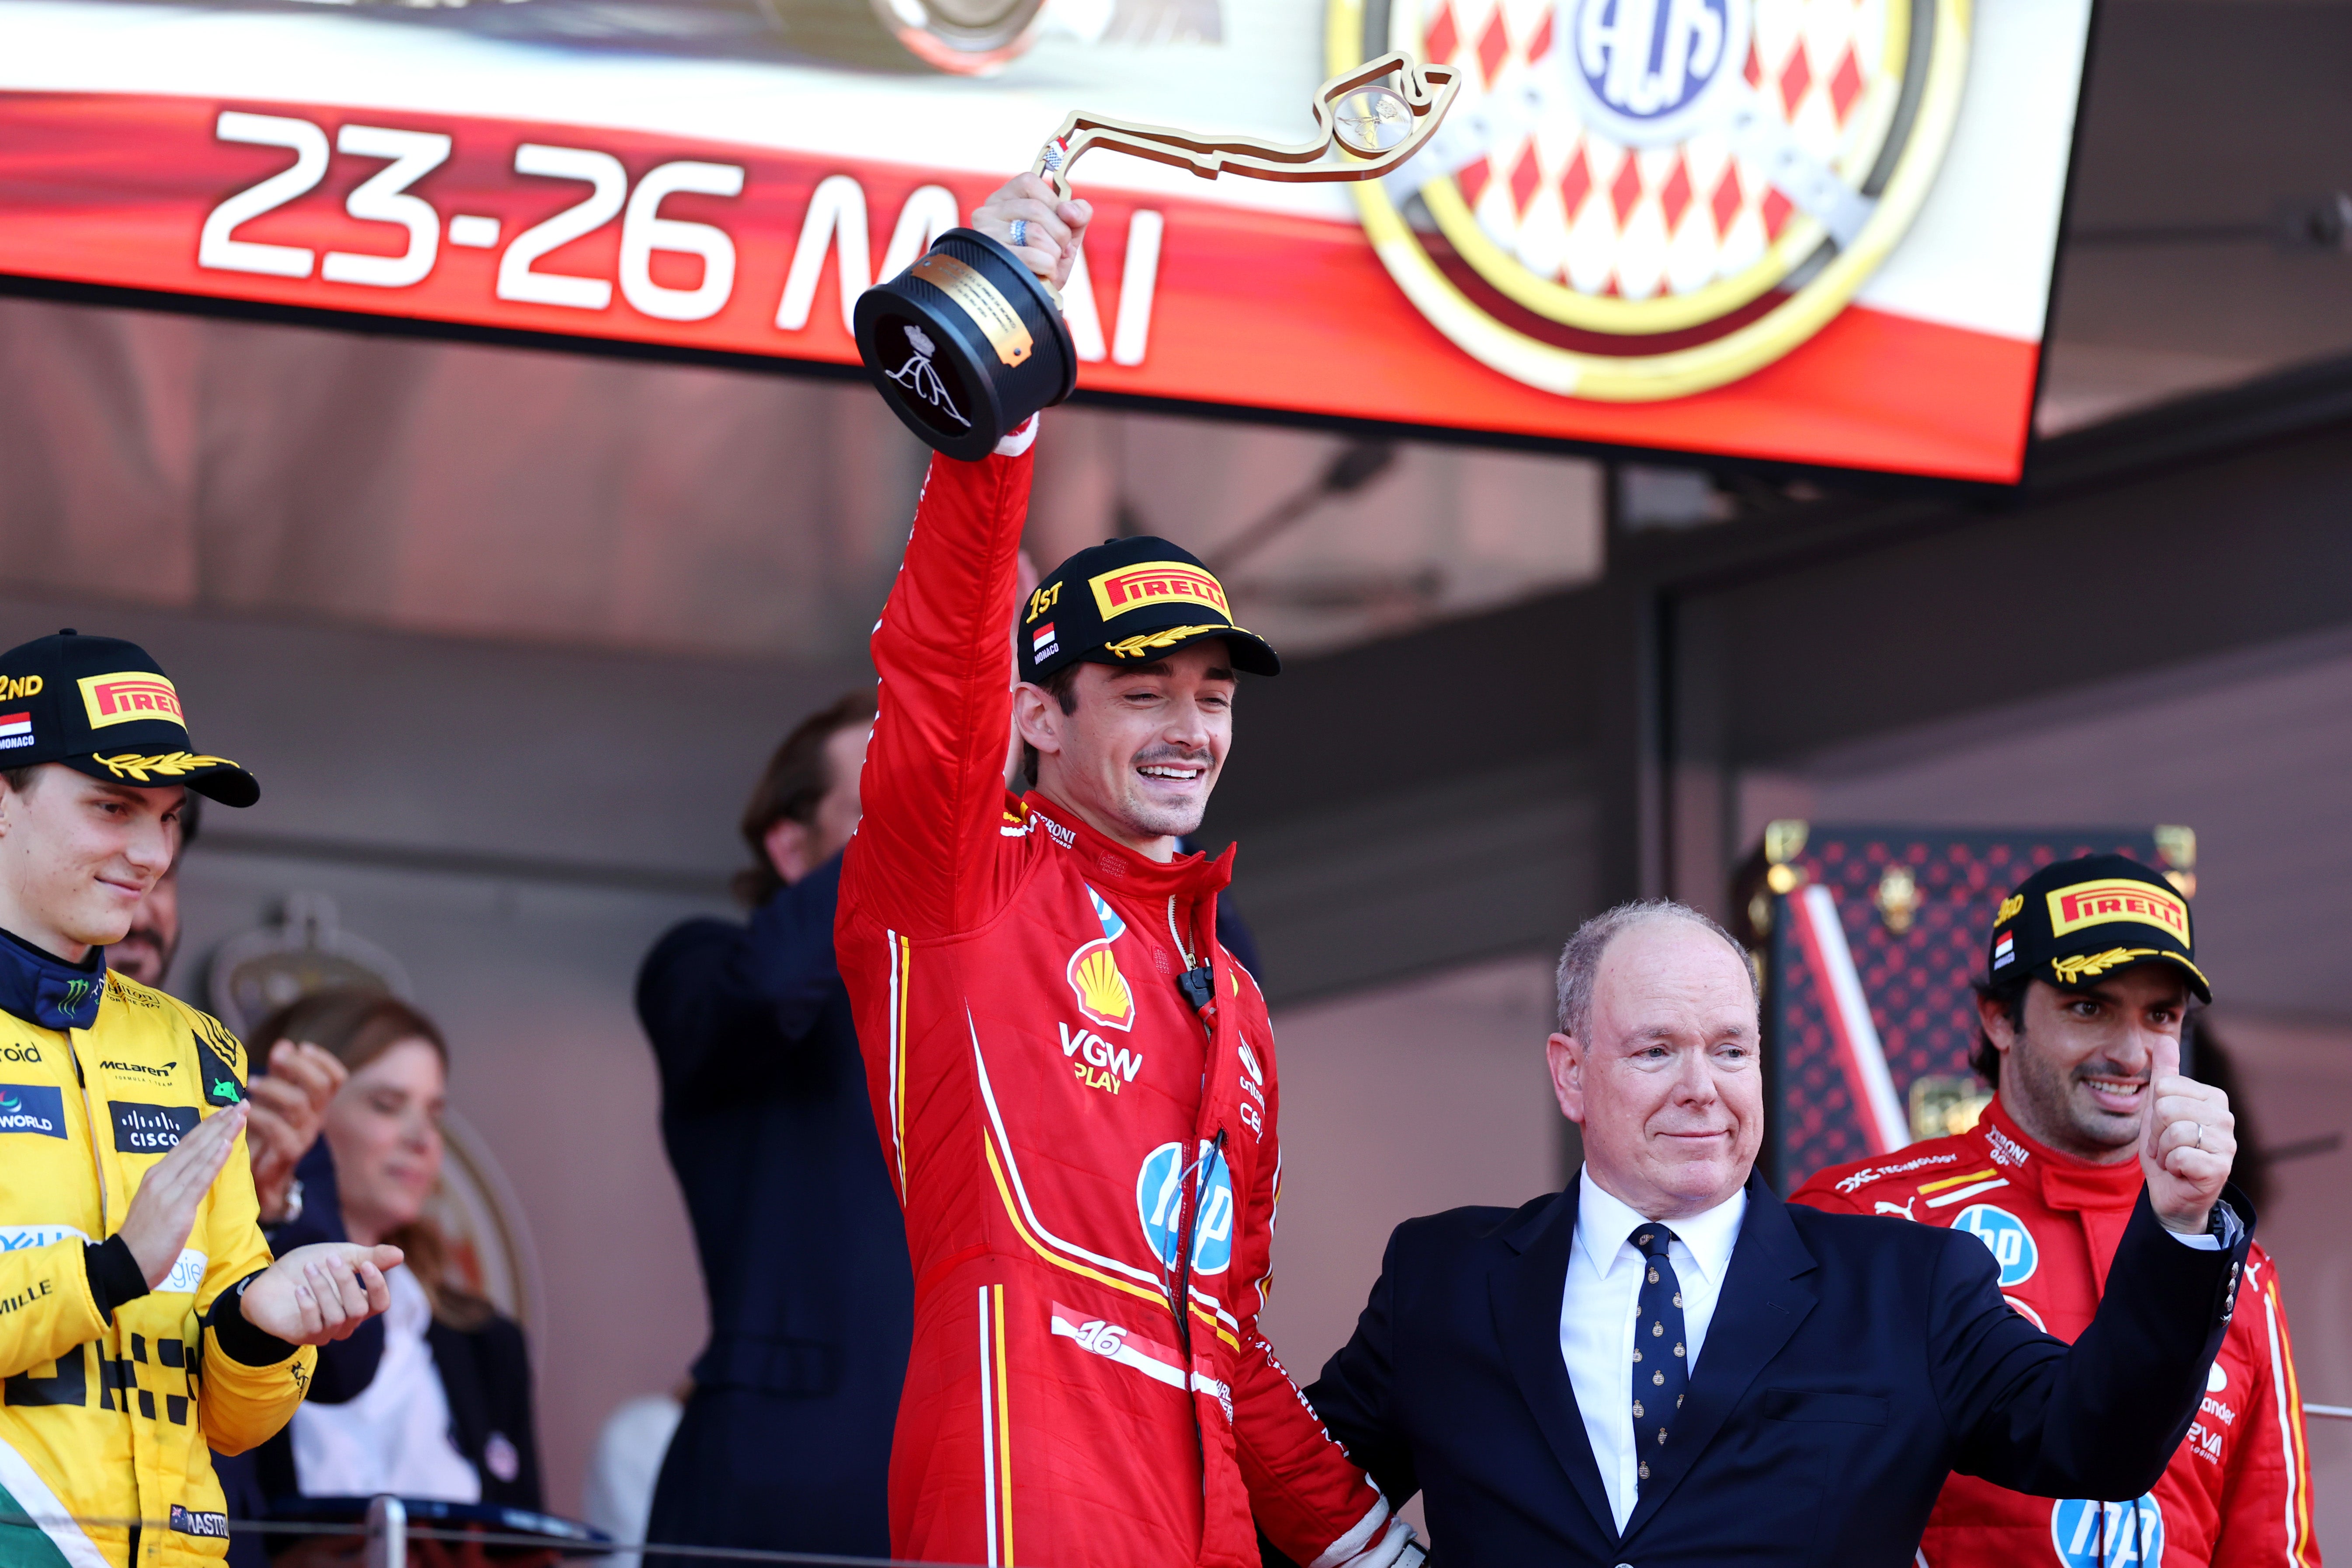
965	344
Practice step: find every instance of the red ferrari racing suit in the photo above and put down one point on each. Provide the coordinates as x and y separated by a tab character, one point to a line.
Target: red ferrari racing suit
1073	1143
2237	1493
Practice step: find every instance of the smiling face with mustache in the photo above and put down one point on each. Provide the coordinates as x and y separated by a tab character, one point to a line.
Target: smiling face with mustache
1137	750
2077	1065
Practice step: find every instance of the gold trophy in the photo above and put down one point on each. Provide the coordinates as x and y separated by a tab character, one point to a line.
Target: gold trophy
968	343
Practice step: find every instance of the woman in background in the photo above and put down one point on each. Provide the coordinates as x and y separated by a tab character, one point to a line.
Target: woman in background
447	1413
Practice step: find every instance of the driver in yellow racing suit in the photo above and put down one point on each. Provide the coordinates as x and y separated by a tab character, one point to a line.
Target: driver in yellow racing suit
141	1316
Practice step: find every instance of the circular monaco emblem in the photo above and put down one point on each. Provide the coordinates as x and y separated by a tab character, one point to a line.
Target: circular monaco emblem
1642	199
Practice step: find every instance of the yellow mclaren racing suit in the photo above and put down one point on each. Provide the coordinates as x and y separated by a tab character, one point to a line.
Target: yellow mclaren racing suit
113	1391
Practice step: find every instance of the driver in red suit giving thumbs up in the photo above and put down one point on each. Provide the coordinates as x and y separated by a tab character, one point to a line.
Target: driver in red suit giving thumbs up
2089	971
1074	1083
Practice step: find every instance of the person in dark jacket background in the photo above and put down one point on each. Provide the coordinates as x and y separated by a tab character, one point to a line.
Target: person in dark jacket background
785	1441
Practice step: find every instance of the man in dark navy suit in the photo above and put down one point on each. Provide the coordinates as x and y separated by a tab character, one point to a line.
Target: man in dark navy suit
1663	1366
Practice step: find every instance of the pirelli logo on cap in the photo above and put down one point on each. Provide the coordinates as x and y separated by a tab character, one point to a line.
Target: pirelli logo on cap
1154	583
130	696
2099	903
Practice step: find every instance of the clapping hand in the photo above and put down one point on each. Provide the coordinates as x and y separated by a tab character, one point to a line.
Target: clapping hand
288	1106
2188	1147
162	1211
314	1294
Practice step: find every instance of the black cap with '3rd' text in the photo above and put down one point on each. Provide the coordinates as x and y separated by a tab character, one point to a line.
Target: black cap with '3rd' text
2078	921
1128	601
101	707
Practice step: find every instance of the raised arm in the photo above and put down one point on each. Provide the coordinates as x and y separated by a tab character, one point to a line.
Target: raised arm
933	785
717	999
2100	1418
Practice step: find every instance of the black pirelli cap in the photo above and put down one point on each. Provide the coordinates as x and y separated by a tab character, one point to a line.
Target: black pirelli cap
1127	602
102	707
2078	921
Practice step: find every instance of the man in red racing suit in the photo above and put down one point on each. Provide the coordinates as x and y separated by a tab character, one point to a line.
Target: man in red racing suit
1074	1144
2238	1493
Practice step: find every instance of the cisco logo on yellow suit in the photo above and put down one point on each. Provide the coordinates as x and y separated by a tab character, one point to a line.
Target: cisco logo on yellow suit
1640	199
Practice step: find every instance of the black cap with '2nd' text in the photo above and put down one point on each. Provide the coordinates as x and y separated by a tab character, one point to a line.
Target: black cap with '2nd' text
102	707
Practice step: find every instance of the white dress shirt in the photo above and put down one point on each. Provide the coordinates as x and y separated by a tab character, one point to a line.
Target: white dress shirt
1598	1306
394	1436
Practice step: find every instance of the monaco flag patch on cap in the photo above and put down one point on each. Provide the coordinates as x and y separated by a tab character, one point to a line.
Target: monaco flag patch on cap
2004	950
16	729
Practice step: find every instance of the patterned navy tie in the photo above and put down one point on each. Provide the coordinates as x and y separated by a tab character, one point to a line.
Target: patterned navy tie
1660	1358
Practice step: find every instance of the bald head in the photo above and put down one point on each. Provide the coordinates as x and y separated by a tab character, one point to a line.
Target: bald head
1657	1057
1580	961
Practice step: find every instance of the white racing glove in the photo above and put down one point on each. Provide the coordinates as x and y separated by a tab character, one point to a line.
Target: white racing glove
1391	1544
1016	442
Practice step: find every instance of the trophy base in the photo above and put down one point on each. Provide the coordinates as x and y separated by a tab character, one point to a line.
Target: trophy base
965	344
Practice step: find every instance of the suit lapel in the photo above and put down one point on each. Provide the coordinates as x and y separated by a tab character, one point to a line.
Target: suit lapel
1525	1292
1762	1303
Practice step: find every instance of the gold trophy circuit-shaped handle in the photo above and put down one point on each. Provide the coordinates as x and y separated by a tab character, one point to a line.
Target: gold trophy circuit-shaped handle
1376	127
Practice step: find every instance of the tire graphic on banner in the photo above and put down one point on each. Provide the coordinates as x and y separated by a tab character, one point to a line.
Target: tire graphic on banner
1634	200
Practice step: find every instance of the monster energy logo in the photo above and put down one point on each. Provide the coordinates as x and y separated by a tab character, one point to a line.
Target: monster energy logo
76	990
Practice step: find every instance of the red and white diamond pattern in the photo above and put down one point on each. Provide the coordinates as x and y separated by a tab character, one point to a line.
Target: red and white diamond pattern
1575	207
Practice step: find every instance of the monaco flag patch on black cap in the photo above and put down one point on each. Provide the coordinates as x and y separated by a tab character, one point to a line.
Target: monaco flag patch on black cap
2078	921
102	707
1127	602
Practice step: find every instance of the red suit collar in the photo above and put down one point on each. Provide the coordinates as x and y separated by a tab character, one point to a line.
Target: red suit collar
1116	867
2065	1182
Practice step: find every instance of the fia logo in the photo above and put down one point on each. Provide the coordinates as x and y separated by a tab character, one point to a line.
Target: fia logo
921	378
2107	1534
1098	1062
1159	1202
2006	1238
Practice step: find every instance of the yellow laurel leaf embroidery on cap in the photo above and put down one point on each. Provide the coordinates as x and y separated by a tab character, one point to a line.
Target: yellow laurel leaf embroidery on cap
2093	964
164	764
2010	906
1144	642
1102	986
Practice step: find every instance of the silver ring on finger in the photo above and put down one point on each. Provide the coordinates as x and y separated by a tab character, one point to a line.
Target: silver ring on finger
1020	232
2199	1141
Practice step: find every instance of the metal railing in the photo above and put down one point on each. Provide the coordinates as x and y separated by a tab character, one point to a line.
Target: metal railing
388	1529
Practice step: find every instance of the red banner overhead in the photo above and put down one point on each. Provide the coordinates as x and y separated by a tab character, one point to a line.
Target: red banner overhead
1554	266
